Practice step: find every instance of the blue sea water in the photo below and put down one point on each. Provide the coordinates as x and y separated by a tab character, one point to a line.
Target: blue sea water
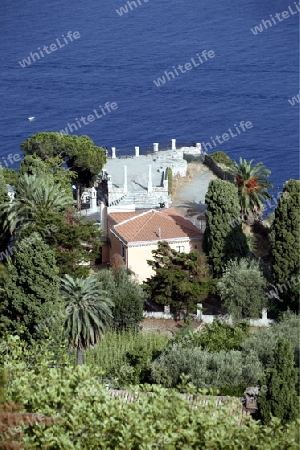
117	58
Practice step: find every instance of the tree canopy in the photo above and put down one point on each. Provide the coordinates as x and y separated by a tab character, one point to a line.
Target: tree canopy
10	176
242	289
30	291
127	296
54	167
74	240
36	195
180	280
79	153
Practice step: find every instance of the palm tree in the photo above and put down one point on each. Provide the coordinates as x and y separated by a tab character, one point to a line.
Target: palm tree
88	312
252	186
36	194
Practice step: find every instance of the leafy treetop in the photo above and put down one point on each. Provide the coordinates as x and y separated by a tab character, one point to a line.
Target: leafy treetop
79	153
30	291
242	289
180	279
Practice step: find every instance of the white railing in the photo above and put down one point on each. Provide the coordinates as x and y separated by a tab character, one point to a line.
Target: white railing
208	318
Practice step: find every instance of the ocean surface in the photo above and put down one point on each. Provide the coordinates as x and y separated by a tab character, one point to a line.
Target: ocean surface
116	56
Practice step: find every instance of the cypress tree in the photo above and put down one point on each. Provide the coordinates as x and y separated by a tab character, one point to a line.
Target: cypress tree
278	395
224	238
284	241
170	180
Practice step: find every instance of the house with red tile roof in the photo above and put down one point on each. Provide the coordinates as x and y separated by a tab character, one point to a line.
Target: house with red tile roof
134	234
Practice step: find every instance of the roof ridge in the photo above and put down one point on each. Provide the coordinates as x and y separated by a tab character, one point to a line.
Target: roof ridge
145	224
150	221
164	215
134	217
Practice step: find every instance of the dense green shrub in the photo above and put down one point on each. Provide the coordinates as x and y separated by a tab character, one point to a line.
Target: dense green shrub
199	356
206	369
87	417
214	337
264	342
222	158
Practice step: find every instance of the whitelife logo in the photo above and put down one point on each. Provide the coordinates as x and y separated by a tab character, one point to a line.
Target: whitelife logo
132	5
195	62
243	126
294	100
71	127
265	24
53	47
11	159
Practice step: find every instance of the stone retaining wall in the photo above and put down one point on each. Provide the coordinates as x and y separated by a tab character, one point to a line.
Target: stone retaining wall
217	170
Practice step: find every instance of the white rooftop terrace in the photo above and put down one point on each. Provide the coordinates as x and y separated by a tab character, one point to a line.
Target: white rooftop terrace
138	168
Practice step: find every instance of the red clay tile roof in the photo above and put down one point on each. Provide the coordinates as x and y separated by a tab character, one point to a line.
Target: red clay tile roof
152	225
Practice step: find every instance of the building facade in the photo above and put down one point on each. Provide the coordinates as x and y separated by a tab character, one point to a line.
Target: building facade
135	234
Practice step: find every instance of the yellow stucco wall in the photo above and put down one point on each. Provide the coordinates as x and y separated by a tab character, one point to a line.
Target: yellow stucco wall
137	256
